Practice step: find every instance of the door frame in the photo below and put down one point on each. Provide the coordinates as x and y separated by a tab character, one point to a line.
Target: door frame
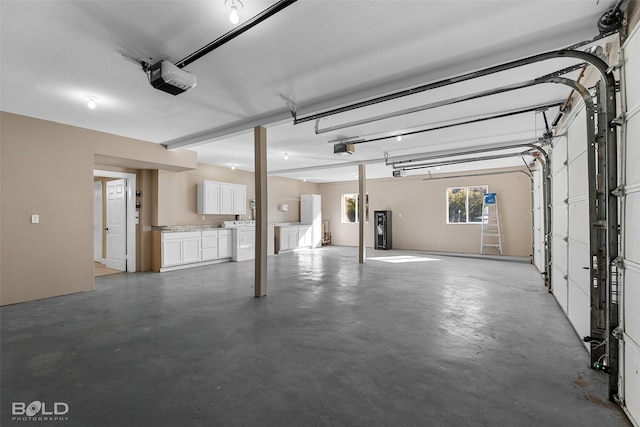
130	178
97	206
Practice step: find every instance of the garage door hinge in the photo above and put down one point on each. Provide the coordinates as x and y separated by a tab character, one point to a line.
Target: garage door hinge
618	262
614	67
618	191
565	277
617	334
565	238
618	121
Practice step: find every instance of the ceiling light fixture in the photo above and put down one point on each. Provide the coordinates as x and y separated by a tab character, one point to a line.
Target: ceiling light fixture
286	156
233	166
399	138
233	16
92	101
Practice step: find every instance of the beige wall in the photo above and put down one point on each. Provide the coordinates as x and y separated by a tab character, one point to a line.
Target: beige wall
177	195
419	213
45	173
47	169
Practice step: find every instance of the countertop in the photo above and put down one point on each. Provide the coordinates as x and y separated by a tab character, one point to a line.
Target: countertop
183	228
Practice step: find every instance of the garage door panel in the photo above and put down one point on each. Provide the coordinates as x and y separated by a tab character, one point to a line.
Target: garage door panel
578	314
558	154
632	379
579	222
559	287
578	178
559	220
579	267
632	227
577	135
631	298
633	149
632	70
559	192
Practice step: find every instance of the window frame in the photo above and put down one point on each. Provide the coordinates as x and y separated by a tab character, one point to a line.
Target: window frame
356	196
466	188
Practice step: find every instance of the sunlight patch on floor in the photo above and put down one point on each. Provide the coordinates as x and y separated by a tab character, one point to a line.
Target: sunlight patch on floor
402	259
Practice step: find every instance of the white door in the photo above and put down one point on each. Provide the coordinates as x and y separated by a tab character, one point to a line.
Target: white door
116	225
97	221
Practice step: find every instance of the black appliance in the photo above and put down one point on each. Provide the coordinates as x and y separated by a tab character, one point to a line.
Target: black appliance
382	230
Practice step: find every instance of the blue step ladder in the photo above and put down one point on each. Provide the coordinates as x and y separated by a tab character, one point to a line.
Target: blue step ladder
491	236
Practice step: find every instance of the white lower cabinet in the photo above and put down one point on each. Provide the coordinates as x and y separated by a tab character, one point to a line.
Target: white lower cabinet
171	252
191	248
305	236
180	249
224	244
289	237
209	245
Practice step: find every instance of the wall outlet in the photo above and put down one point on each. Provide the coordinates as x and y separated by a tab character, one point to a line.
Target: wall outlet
35	219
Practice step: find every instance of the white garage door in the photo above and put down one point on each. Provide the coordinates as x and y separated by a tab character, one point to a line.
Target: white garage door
578	289
630	147
570	223
559	221
538	220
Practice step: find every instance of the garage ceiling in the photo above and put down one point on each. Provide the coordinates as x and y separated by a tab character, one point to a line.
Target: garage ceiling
319	54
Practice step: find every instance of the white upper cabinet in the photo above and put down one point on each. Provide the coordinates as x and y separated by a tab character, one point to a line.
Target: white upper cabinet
226	199
240	199
221	198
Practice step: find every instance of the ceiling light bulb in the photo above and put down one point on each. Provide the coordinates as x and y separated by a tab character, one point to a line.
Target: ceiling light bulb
233	16
286	156
399	138
92	102
233	167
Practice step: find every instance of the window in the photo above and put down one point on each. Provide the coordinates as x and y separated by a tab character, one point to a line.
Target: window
350	210
464	204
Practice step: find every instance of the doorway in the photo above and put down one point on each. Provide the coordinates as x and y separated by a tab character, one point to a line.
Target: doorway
114	222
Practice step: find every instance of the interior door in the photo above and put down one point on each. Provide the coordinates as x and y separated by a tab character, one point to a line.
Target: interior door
97	221
116	225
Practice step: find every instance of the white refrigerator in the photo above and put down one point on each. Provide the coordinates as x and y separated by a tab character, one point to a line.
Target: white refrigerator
311	213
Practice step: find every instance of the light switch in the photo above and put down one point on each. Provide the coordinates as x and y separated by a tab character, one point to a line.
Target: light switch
35	219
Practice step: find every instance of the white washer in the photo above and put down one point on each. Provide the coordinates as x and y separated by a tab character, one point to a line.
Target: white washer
243	239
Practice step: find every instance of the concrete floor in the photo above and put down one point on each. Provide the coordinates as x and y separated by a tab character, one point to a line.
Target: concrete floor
430	341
